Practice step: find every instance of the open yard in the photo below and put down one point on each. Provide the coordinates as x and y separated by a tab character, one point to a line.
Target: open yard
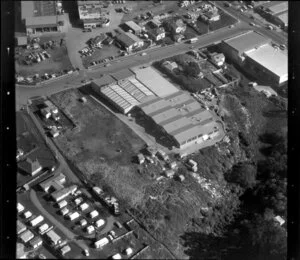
33	144
58	61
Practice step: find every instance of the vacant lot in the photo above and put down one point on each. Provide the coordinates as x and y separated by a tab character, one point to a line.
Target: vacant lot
58	61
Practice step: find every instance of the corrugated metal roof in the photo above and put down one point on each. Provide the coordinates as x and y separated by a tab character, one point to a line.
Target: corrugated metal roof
247	41
165	115
41	21
155	82
177	124
122	74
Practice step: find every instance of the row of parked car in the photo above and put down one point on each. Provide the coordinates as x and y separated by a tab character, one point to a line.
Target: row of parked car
102	61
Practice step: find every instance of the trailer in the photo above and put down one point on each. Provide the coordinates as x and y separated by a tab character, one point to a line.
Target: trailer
102	242
84	206
20	207
99	223
72	216
90	229
62	204
36	220
43	228
94	214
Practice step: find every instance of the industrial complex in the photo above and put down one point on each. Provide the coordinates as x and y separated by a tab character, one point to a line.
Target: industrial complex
254	52
174	112
41	16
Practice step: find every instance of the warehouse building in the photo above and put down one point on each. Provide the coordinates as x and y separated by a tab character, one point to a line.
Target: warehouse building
253	52
133	27
268	63
128	41
275	12
40	17
181	118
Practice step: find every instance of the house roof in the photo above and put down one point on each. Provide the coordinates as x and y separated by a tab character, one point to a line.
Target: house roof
278	7
156	31
36	241
105	80
21	40
30	165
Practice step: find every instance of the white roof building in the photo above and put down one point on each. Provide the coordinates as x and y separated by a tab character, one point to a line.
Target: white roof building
43	228
26	236
274	61
20	207
94	213
53	237
99	223
90	229
84	206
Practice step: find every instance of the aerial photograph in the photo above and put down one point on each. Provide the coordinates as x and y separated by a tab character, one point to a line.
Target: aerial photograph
151	129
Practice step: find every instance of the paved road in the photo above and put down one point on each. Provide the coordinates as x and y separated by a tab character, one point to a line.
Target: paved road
22	93
70	235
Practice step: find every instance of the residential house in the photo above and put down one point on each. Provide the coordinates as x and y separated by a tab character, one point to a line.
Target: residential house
217	58
175	26
157	34
30	166
170	65
97	41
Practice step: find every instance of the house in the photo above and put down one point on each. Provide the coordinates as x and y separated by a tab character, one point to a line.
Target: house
170	65
54	132
129	41
280	220
175	26
21	40
26	236
65	249
53	238
20	227
97	41
36	242
157	34
46	112
63	193
30	166
56	182
90	229
217	58
83	222
154	23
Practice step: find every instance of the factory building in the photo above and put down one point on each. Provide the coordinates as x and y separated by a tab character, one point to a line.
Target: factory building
275	12
253	52
181	118
40	17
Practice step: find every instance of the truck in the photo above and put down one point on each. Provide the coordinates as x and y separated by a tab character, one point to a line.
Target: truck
193	40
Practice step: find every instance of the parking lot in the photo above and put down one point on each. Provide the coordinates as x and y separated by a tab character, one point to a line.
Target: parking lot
48	54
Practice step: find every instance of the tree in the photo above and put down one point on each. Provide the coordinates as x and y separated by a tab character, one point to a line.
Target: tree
243	174
192	69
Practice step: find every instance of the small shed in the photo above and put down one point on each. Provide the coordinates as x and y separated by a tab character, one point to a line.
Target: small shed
21	40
